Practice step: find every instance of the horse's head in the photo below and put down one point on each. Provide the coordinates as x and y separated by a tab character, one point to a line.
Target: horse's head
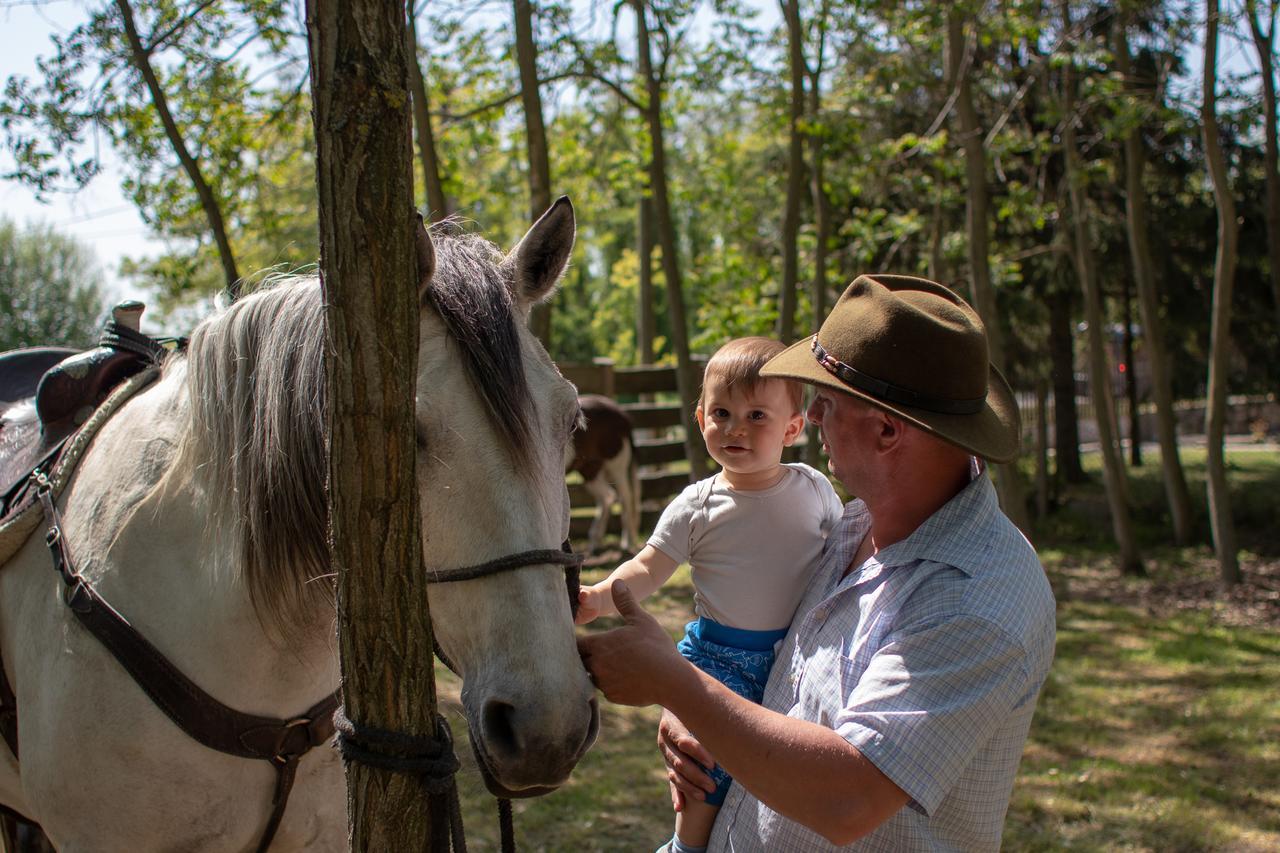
494	417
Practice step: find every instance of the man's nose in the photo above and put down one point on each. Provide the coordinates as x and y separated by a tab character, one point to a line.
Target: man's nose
813	414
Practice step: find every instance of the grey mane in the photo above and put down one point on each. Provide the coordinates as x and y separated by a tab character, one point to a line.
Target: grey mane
258	439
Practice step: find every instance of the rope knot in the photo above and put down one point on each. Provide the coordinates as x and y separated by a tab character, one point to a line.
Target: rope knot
429	756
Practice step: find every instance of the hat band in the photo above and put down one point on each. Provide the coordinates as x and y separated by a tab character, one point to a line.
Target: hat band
891	393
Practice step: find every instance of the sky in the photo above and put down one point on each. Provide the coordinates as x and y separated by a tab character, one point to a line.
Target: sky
101	217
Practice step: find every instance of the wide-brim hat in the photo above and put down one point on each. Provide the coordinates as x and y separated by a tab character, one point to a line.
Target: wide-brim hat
914	348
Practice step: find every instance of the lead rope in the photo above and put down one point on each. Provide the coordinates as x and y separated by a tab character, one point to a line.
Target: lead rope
433	758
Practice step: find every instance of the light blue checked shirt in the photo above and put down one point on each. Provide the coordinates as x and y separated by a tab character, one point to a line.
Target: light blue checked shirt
928	659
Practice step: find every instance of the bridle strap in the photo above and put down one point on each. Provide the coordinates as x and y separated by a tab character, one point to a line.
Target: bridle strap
546	556
202	717
539	557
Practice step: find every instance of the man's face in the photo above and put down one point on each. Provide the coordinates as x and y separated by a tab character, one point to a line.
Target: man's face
847	426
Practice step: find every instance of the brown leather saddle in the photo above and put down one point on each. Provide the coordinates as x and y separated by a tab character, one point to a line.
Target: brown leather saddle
64	387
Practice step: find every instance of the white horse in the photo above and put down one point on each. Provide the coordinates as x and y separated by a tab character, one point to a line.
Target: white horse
199	513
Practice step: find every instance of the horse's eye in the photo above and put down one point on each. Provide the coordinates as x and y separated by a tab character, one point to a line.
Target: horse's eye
420	433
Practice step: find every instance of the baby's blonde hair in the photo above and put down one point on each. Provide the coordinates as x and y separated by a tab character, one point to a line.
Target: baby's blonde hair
738	365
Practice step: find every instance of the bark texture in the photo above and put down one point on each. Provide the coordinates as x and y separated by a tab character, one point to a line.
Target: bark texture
977	218
695	450
1099	372
438	206
360	81
1264	41
1224	274
535	134
1137	219
795	174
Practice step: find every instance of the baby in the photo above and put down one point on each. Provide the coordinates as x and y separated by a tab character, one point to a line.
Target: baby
751	534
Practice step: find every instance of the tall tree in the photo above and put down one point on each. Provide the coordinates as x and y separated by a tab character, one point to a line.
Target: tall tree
360	80
645	325
1224	273
140	55
818	192
795	172
1264	41
1099	370
438	206
652	105
1137	218
535	142
961	69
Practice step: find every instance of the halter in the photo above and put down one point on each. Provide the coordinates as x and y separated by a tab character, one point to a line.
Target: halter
431	757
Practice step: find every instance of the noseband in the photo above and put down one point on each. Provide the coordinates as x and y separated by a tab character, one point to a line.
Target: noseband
431	757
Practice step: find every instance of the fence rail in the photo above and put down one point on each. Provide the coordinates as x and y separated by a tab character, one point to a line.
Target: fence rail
648	394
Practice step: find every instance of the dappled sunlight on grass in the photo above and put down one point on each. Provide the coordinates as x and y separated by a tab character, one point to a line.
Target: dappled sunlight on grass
1152	735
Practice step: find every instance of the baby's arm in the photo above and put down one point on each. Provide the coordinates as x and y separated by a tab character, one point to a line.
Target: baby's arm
643	573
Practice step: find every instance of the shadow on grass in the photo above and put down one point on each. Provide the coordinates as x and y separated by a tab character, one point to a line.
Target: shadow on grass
1152	735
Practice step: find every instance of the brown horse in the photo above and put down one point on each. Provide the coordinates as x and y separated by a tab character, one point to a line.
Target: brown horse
603	453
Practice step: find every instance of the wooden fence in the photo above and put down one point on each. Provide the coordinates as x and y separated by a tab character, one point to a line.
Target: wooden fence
648	394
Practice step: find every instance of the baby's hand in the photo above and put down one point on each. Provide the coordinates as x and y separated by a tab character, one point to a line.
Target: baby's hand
590	599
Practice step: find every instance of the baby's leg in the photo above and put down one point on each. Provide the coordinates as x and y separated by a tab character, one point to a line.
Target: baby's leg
693	825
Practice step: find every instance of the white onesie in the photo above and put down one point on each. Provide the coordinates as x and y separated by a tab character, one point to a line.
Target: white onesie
751	552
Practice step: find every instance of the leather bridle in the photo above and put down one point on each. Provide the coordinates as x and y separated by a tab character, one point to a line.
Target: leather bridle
281	742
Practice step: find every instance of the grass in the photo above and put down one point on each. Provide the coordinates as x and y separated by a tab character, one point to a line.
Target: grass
1158	729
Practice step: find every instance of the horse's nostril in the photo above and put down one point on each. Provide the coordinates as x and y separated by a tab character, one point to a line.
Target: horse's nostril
499	728
593	728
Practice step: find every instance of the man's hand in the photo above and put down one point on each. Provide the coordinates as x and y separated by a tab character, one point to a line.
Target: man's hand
685	758
635	664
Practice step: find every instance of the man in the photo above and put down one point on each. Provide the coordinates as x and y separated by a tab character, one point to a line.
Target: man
895	716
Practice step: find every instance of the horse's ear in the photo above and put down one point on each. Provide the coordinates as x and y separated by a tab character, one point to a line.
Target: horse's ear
426	255
542	255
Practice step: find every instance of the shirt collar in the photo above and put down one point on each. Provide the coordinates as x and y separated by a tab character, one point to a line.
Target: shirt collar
936	540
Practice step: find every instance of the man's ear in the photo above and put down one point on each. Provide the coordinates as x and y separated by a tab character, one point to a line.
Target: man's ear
892	430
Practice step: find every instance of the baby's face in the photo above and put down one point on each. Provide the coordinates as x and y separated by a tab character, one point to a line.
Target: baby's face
746	431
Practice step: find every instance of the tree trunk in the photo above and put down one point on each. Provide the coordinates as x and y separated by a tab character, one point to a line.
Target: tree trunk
1066	420
212	210
359	80
1099	372
977	216
695	450
795	174
821	211
438	206
645	323
1265	44
1131	379
1224	273
1175	482
536	142
1042	449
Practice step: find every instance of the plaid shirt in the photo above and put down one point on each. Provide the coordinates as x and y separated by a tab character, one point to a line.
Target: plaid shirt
928	658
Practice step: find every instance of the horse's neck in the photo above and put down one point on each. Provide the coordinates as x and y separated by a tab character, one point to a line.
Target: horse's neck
175	579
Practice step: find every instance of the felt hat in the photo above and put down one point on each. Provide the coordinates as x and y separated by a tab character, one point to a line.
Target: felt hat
914	348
